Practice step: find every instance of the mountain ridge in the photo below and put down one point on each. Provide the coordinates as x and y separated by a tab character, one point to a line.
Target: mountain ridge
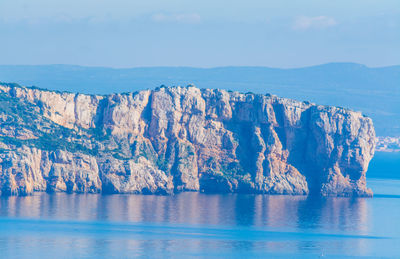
374	91
174	139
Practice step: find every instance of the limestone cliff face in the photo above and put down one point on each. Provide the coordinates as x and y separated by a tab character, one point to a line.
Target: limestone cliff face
179	139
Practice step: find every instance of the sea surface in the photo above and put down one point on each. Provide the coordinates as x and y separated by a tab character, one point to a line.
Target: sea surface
196	225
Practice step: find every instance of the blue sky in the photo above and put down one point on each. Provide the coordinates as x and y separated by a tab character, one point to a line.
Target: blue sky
208	33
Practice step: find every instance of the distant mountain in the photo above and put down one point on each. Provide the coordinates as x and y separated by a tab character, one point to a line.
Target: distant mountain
374	91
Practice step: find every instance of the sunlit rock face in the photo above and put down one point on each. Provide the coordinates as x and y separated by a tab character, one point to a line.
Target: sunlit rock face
175	139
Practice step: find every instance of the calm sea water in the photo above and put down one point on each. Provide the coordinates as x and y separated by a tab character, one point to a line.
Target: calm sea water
193	225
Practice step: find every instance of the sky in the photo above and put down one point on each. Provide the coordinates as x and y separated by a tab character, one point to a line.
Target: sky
207	33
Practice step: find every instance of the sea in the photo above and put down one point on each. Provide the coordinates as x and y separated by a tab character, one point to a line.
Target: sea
197	225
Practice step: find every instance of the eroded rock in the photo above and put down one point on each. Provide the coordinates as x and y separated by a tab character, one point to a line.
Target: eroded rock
174	139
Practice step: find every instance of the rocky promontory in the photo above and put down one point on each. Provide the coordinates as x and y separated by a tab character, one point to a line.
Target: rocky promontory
175	139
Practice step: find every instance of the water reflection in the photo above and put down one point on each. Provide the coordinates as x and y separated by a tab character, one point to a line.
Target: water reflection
190	222
339	214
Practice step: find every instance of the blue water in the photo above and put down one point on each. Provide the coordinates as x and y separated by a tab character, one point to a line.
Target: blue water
385	165
195	225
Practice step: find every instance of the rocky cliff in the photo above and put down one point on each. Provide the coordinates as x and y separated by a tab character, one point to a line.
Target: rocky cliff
175	139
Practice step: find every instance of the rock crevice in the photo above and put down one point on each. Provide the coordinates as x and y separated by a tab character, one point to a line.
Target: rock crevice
175	139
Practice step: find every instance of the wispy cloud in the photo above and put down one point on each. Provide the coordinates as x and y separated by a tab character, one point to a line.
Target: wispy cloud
180	18
316	22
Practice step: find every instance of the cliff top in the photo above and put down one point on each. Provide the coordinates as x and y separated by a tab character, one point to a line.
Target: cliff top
236	94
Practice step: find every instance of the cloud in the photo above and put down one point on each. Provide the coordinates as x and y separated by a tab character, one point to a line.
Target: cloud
317	22
180	18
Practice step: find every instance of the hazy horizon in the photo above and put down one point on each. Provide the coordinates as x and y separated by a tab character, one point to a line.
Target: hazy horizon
125	34
200	67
